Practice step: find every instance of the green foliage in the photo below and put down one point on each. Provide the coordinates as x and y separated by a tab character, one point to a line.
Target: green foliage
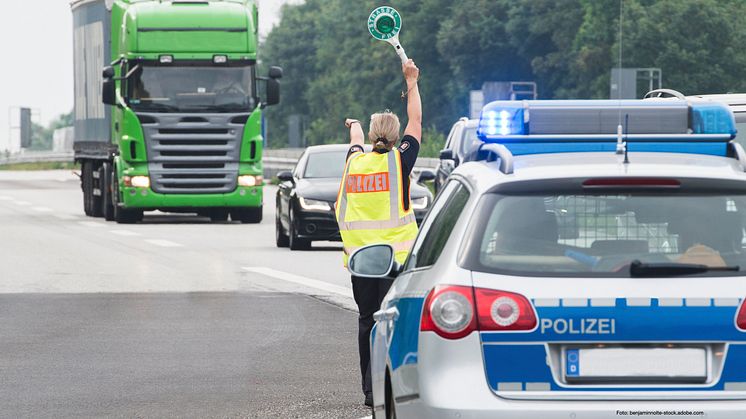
41	137
334	69
432	142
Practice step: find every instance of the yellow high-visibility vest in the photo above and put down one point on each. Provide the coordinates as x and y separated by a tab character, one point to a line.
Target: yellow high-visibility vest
369	206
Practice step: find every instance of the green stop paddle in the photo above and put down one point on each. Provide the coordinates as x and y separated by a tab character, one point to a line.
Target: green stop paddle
384	24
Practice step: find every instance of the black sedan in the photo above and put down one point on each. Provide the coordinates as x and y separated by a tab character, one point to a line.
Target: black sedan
306	196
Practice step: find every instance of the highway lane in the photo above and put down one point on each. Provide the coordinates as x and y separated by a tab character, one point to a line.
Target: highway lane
175	316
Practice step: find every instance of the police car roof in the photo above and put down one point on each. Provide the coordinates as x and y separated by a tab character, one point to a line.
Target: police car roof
484	175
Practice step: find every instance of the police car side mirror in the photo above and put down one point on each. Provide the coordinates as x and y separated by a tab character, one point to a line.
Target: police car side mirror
426	176
375	261
446	154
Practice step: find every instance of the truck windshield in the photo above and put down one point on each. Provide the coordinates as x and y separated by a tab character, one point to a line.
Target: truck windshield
608	235
193	88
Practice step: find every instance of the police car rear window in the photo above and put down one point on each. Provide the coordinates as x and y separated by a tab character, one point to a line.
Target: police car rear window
604	235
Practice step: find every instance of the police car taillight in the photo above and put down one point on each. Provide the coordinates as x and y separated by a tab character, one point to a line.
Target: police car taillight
449	312
503	311
741	317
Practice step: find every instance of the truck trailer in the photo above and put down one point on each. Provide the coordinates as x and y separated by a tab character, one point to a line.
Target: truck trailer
168	114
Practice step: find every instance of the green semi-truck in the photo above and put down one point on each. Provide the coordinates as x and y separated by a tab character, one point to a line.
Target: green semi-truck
168	110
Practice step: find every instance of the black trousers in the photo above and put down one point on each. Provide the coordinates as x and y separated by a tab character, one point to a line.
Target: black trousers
368	293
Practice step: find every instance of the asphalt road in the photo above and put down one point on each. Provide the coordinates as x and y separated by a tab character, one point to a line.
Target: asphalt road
172	317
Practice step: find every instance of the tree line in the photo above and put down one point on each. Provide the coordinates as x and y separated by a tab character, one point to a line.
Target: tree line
334	69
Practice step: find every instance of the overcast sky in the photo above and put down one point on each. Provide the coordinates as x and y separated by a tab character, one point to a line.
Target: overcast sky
37	64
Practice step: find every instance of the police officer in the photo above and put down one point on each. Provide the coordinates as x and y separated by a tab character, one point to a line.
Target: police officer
373	205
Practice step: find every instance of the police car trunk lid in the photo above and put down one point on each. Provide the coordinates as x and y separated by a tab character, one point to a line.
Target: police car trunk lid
620	338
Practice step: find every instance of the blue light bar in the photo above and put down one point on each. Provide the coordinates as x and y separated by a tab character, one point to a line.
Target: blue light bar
712	118
501	119
564	126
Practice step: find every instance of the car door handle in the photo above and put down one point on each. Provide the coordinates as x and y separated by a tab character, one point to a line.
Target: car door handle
389	314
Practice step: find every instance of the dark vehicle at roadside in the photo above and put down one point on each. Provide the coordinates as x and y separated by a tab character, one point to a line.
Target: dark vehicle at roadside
306	196
459	146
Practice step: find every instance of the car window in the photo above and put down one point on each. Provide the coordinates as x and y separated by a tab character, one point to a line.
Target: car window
328	164
451	136
299	167
603	235
438	226
468	140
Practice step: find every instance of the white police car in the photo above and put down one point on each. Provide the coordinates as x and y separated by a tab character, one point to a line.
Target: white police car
573	271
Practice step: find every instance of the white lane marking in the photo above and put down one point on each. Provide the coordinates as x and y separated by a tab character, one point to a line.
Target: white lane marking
22	203
300	280
42	209
163	243
124	233
91	224
7	198
65	216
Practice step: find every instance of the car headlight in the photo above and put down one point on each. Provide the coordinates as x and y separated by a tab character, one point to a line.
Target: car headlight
250	180
137	181
313	204
419	203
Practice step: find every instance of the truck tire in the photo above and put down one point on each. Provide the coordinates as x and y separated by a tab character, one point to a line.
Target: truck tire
107	199
119	214
96	200
86	178
247	215
218	215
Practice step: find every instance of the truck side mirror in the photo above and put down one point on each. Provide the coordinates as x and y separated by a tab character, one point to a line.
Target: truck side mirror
108	87
275	72
273	92
108	92
108	72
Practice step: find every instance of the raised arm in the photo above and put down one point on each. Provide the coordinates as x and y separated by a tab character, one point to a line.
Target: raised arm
414	104
356	132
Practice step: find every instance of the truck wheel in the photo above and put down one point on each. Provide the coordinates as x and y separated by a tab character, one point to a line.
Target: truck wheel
281	239
218	215
123	215
96	200
106	187
87	186
247	215
295	242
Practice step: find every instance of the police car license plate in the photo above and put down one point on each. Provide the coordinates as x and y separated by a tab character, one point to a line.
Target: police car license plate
636	364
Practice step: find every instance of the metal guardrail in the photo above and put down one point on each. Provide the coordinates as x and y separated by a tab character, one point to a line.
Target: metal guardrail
37	157
275	160
278	160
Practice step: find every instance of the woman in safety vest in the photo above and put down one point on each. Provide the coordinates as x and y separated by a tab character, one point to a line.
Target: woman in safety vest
373	205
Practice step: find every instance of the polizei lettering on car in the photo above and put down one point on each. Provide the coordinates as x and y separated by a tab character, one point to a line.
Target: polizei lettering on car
589	326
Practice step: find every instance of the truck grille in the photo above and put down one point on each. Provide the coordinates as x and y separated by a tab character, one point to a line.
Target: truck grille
189	154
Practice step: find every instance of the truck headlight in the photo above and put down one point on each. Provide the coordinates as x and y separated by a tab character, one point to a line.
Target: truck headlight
250	180
419	203
313	204
137	181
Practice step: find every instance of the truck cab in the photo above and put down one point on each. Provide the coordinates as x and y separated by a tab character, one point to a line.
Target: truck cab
179	92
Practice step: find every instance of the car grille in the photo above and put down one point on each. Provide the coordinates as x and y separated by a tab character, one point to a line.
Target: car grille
189	154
